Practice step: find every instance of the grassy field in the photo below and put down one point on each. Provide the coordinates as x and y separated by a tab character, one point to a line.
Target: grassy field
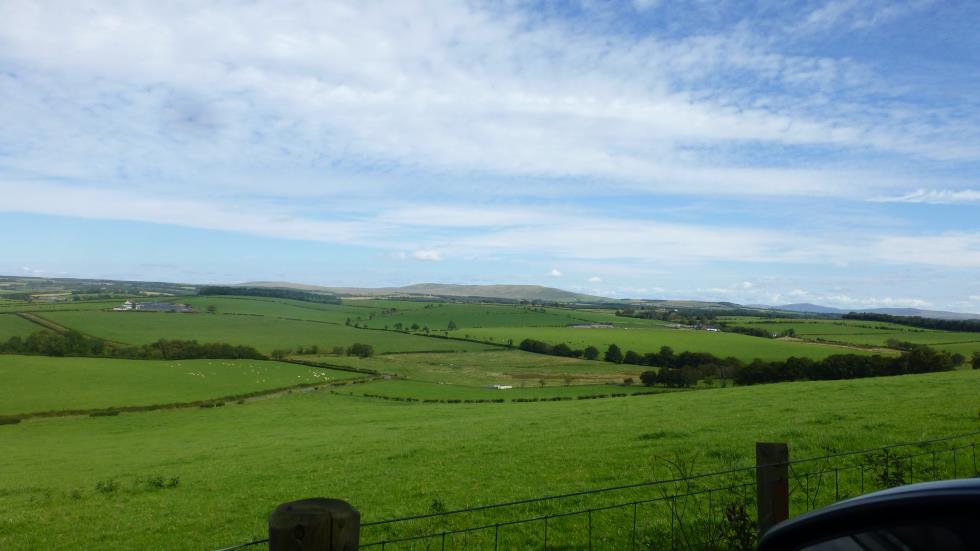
867	333
512	367
277	308
233	465
421	390
37	383
21	306
14	326
650	339
265	333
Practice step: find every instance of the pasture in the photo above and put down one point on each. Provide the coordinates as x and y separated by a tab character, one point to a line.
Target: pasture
867	333
234	464
514	367
15	326
265	333
650	339
36	383
420	390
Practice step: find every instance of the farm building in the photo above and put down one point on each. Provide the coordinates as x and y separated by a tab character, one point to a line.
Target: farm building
162	307
153	307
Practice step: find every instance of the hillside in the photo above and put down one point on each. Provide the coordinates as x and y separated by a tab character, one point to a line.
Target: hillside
510	292
818	309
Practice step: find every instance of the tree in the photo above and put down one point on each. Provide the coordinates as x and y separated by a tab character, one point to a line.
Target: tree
632	357
212	309
590	352
628	381
338	351
648	378
613	354
976	360
280	354
415	327
360	350
452	326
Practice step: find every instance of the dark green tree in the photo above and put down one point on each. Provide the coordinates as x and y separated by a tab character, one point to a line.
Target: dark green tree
590	353
613	354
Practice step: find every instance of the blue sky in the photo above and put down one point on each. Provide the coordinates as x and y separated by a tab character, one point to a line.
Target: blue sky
773	152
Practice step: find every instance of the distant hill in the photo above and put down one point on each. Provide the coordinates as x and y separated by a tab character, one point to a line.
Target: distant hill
511	292
933	314
808	308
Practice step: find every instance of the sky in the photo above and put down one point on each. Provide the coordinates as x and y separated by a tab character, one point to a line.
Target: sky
766	152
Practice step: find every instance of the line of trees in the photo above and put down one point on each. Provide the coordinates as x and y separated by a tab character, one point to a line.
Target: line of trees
972	326
73	343
294	294
686	368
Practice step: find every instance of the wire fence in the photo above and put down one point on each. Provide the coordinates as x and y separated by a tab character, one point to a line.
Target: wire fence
681	510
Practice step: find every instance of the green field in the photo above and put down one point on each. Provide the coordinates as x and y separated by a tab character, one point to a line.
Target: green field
650	339
513	367
421	390
36	383
236	463
20	306
265	333
867	333
276	308
14	326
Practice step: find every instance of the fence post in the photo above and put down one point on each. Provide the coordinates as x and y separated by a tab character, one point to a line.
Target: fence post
315	524
772	484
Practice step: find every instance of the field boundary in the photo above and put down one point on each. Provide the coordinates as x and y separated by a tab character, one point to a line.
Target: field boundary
206	403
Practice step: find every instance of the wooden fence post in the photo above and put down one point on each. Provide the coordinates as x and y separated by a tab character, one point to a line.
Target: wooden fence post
316	524
772	484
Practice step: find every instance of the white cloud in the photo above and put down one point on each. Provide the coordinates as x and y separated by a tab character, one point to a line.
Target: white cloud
555	273
975	297
427	254
156	91
595	279
934	196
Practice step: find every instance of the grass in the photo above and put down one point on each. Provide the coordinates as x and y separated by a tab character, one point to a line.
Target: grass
650	339
276	308
420	390
265	333
437	316
37	383
867	333
494	366
235	464
14	326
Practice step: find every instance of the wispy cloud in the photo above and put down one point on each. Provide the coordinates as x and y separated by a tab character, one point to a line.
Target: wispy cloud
934	196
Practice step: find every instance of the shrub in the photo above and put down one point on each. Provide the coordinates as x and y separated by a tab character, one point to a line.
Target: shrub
9	420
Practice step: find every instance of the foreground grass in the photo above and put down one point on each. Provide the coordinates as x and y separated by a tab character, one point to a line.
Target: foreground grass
37	383
234	464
